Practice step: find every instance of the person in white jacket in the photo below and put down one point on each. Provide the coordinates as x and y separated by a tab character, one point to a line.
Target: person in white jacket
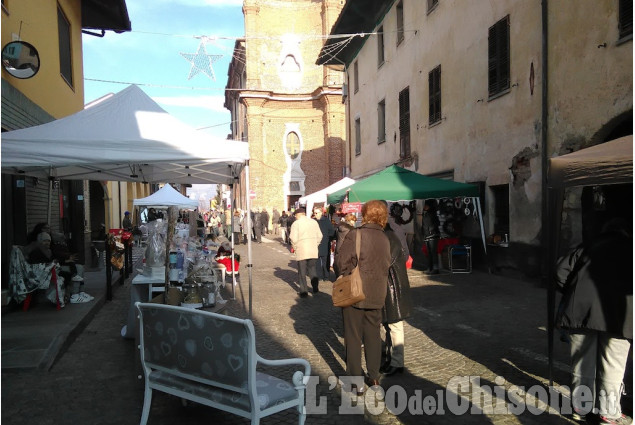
305	235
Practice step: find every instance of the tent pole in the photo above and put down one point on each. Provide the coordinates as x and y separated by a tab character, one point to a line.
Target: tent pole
231	231
50	200
249	224
555	201
477	201
168	242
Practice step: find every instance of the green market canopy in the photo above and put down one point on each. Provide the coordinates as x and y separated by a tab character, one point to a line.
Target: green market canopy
398	184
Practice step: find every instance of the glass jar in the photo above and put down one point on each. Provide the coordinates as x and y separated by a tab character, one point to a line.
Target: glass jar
209	295
191	295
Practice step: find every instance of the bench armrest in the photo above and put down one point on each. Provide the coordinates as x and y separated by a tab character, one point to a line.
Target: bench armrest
286	362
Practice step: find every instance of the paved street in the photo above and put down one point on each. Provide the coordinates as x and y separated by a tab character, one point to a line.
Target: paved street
464	325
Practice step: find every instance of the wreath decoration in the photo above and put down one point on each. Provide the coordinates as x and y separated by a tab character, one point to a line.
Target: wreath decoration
396	210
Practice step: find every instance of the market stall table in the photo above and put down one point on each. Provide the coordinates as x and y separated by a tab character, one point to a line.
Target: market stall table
142	290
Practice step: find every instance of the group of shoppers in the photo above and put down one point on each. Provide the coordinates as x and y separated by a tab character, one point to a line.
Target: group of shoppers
596	307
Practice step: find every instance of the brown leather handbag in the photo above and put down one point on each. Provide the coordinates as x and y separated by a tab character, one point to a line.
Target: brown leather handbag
348	290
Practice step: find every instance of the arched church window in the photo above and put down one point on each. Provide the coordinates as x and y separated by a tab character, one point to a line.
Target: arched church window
293	145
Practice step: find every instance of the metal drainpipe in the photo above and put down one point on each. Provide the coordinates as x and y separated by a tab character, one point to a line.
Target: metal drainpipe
544	240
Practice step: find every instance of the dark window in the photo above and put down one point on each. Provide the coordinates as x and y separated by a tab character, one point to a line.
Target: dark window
381	121
498	54
404	123
501	209
432	4
64	34
434	93
380	46
400	35
626	18
356	76
358	136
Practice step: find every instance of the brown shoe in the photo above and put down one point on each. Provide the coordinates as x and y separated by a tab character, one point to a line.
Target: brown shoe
371	382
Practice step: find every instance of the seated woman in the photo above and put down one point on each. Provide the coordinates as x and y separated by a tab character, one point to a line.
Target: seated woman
224	257
40	252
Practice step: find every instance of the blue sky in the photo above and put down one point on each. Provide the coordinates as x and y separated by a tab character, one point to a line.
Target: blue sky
150	56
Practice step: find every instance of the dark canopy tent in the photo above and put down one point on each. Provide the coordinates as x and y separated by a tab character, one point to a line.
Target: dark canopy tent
608	163
398	184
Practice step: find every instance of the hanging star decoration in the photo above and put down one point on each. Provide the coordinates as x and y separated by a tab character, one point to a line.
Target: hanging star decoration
201	62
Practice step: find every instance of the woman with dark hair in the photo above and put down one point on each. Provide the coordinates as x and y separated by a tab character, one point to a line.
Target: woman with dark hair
398	305
362	320
39	228
346	225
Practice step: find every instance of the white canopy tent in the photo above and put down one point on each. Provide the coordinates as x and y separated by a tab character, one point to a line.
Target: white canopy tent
122	137
125	137
167	196
320	195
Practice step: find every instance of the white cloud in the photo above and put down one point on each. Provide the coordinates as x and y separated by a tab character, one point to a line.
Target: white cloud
213	103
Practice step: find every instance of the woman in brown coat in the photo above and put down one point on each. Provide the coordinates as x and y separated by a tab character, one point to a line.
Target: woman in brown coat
362	321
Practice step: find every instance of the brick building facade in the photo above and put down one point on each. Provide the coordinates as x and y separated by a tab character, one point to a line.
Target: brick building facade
288	109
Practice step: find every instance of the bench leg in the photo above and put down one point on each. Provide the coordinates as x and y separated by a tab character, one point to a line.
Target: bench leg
147	402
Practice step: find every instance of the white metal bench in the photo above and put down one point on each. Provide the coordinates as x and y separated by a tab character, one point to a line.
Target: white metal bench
211	359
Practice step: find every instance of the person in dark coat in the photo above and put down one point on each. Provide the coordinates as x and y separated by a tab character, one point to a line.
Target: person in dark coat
397	307
597	310
362	320
324	253
430	235
257	221
284	231
275	221
346	225
290	221
264	216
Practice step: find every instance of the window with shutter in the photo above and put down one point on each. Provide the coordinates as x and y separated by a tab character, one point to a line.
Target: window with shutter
64	38
358	137
356	76
380	46
400	35
404	123
434	95
381	122
498	57
626	18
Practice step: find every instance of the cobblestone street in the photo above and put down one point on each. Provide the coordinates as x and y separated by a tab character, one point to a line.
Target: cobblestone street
464	325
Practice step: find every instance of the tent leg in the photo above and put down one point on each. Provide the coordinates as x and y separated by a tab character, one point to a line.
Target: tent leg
231	231
477	201
249	224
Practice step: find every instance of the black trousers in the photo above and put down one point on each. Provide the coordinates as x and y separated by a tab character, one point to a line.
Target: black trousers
362	326
432	245
306	267
323	268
